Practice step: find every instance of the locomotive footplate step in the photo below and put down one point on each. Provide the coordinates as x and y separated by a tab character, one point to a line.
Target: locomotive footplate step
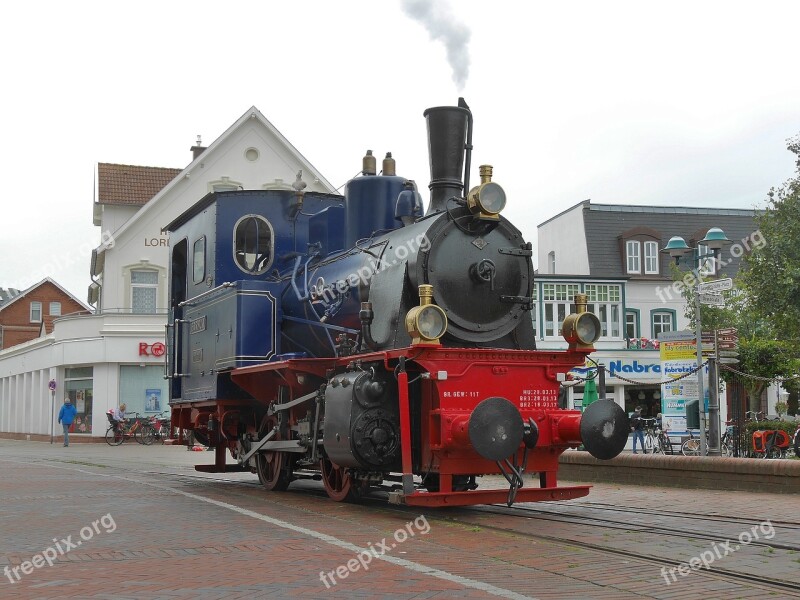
497	496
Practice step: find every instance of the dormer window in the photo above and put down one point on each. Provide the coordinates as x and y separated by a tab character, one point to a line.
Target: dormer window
640	251
708	264
633	256
650	258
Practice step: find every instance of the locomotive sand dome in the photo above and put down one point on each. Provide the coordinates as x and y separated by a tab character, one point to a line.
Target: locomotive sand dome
356	340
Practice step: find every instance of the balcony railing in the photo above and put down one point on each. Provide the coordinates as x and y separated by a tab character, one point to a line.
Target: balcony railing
641	344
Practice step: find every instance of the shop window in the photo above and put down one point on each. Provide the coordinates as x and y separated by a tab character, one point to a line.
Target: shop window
199	260
79	384
142	389
144	292
36	312
55	309
253	244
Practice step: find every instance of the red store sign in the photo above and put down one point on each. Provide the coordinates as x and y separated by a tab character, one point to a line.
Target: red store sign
157	349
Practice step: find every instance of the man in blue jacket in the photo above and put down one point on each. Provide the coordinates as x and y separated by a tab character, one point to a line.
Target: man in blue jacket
66	416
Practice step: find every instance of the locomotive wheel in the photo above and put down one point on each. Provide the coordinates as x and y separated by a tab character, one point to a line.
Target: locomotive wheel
273	468
338	483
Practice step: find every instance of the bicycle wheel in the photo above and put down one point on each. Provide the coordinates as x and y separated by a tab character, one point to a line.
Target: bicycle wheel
146	435
775	452
114	437
691	447
648	444
135	432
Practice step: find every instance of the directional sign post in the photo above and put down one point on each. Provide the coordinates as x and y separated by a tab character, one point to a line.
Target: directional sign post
711	298
52	386
715	286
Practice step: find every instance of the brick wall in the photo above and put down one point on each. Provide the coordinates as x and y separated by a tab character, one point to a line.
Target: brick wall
717	473
15	317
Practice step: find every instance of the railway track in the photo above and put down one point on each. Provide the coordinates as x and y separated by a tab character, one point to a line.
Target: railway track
580	516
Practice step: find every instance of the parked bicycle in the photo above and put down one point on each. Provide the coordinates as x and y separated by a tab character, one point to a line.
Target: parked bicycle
691	447
156	428
728	437
655	440
752	415
796	443
119	432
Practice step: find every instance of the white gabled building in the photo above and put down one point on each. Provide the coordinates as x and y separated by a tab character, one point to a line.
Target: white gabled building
116	355
612	253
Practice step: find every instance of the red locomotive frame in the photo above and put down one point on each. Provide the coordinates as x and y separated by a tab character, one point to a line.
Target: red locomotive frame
453	382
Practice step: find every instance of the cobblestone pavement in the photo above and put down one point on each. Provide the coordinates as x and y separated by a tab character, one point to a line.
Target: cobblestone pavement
140	522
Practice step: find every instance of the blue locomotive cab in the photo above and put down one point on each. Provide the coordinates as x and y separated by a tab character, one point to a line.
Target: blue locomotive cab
228	254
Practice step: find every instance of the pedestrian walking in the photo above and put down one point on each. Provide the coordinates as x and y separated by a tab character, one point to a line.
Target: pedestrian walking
637	426
65	417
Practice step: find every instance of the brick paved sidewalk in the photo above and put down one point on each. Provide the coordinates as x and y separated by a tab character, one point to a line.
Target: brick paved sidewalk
175	537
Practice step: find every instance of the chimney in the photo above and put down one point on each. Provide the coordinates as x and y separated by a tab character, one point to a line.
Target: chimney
197	149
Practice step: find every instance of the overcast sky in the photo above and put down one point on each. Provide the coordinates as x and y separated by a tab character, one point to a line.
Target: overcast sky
679	103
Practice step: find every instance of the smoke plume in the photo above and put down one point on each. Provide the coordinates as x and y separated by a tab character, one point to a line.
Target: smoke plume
437	18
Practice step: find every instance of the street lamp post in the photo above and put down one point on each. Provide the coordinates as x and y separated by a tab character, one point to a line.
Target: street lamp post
715	240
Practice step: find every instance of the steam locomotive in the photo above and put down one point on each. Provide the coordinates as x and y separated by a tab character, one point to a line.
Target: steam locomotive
356	340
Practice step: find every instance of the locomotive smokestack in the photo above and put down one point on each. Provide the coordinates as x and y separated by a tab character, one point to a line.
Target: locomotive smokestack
447	139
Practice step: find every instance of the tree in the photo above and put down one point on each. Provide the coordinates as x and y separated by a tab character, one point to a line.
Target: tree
760	354
771	272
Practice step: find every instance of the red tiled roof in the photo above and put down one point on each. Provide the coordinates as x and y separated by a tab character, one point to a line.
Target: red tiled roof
129	184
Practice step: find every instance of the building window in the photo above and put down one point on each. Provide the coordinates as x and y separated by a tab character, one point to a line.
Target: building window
661	322
559	301
551	262
631	324
79	384
633	256
707	266
535	308
605	301
142	389
36	312
199	260
144	292
55	309
253	244
651	258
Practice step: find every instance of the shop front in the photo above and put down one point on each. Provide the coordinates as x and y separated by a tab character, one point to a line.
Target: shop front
97	361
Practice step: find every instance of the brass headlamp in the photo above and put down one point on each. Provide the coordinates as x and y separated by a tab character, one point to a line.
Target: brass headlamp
581	329
487	199
427	322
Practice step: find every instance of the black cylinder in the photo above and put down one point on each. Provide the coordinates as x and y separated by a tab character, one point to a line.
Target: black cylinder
447	135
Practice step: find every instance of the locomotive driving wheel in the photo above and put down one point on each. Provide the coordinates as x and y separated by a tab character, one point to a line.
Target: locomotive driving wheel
273	468
339	485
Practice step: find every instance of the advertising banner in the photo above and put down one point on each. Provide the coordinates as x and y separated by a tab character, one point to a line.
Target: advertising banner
678	357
